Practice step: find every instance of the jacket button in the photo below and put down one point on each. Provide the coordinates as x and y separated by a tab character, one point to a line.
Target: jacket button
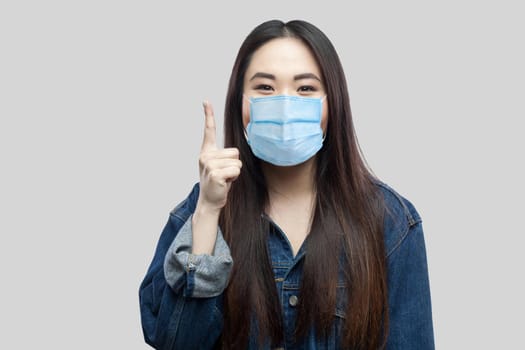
293	300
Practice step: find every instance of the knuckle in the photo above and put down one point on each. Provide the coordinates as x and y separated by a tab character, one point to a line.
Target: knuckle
231	152
206	160
203	159
209	169
214	175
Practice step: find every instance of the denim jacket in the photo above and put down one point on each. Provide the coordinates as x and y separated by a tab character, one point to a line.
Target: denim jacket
181	295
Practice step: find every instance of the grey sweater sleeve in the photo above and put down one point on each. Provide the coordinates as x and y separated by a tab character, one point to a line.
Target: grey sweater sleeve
199	276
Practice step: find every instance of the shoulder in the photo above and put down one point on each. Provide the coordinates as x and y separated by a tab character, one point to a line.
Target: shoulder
187	206
400	217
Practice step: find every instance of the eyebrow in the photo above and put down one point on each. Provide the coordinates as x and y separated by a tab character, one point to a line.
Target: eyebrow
296	77
306	76
263	75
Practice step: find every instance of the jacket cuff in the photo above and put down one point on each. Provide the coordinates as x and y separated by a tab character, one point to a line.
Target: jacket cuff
199	276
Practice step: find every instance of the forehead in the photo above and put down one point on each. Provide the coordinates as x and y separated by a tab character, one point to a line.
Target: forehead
283	56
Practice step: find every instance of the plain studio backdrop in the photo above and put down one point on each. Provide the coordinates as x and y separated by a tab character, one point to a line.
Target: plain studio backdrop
101	126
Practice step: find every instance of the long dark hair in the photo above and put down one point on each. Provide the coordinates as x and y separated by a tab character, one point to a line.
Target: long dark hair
346	236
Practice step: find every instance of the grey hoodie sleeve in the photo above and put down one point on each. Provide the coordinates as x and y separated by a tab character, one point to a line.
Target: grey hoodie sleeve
199	276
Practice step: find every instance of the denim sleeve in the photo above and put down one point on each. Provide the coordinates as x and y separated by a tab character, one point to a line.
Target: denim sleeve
169	319
409	294
199	276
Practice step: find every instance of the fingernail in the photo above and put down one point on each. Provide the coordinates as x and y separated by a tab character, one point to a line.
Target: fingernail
204	103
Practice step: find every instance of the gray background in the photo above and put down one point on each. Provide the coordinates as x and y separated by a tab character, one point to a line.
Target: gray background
101	125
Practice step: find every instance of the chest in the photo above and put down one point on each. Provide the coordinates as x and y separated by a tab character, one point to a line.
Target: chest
294	224
295	228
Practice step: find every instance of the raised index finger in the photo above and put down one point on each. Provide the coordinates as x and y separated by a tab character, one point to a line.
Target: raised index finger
208	142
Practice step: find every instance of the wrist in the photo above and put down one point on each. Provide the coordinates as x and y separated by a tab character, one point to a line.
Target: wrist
205	222
206	210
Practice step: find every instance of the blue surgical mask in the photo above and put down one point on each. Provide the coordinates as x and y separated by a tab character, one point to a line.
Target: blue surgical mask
285	130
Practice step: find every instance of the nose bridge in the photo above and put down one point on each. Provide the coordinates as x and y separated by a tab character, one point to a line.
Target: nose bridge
287	90
287	86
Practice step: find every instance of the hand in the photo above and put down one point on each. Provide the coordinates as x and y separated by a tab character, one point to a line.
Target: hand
218	168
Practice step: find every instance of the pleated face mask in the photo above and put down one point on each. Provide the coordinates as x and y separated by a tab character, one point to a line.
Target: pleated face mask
285	130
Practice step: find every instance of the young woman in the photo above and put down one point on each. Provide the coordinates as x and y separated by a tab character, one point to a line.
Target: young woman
288	241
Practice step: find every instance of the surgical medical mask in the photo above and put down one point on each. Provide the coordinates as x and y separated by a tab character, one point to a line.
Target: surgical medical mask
285	130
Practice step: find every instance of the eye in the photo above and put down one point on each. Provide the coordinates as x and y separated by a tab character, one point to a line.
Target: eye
307	88
264	87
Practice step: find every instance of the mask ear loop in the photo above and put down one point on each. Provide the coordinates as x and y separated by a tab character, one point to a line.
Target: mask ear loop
326	131
244	129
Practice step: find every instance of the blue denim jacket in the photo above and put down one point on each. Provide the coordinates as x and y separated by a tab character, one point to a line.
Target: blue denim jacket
181	294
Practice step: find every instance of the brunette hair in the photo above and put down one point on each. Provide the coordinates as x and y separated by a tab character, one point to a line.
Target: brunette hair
346	236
